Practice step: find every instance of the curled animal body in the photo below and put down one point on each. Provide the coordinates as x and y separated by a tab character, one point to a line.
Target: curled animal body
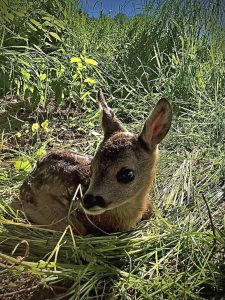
108	192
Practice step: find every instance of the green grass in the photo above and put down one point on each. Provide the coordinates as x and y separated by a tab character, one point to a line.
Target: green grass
175	51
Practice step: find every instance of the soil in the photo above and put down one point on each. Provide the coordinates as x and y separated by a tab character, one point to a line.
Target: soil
16	113
23	285
16	285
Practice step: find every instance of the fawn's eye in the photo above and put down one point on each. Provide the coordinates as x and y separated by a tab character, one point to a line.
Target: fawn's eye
125	175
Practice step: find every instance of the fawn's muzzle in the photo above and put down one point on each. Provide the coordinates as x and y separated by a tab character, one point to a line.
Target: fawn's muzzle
89	201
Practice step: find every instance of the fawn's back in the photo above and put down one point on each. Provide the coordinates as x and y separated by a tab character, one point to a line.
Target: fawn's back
115	182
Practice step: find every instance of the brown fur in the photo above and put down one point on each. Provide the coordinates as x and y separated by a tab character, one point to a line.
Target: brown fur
47	194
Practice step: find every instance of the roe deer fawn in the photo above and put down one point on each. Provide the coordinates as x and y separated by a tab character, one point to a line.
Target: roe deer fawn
115	182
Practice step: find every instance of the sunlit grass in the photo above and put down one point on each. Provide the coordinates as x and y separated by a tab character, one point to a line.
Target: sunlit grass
177	53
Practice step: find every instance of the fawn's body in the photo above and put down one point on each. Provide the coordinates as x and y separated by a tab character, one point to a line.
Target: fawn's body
115	182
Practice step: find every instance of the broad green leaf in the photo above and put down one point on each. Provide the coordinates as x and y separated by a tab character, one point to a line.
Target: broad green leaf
48	44
25	73
37	24
80	65
75	60
59	24
18	134
84	95
55	35
44	125
90	80
90	124
31	26
42	76
40	152
35	127
47	23
90	61
23	165
48	18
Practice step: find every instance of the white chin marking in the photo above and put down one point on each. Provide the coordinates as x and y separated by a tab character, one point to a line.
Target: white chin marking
95	210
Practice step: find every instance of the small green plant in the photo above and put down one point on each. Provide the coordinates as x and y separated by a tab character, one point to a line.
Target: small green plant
84	68
23	165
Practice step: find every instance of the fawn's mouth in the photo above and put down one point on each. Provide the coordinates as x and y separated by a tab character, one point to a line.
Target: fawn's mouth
97	210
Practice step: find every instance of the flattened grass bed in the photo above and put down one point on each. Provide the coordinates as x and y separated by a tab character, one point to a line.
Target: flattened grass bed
180	251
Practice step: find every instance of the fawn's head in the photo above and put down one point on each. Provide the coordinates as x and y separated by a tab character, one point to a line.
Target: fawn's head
123	167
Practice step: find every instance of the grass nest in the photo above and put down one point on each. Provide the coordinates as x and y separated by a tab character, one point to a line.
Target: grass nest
178	253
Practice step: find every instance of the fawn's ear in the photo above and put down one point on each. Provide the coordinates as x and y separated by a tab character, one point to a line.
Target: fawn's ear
110	123
157	125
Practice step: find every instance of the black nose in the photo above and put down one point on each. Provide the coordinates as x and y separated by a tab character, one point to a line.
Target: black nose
90	201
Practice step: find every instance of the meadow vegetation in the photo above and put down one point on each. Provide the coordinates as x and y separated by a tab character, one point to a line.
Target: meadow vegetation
53	59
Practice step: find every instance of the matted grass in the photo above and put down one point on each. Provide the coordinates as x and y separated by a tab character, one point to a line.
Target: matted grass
180	251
